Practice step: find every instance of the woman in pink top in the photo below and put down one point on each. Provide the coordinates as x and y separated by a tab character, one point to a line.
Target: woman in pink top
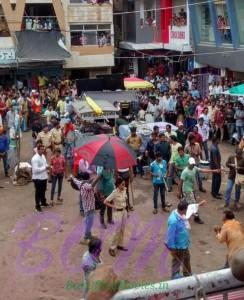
199	109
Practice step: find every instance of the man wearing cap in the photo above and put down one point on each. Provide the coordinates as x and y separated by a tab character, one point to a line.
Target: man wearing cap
204	132
45	137
187	184
56	136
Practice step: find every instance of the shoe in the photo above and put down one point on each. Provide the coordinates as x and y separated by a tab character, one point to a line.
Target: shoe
237	206
85	242
167	204
82	213
216	196
155	211
112	252
111	223
170	190
122	248
46	205
39	209
164	209
202	190
224	206
219	194
198	220
104	226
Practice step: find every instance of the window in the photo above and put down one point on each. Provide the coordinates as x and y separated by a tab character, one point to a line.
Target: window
222	21
239	9
204	23
90	35
33	21
179	15
148	12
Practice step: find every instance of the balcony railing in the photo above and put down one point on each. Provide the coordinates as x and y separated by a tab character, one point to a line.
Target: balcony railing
93	2
40	24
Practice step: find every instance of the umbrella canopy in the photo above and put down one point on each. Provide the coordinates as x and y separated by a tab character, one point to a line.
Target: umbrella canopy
133	83
106	151
237	90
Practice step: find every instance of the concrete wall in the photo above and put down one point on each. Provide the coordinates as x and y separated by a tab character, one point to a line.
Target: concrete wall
233	60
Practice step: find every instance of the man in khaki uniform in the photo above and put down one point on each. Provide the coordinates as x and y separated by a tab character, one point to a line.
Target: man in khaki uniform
135	142
45	137
57	137
117	200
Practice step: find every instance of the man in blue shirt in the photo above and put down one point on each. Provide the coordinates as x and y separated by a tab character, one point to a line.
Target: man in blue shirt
158	172
4	147
178	241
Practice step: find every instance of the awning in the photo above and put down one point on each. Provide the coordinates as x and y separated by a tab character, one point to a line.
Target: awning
119	96
35	46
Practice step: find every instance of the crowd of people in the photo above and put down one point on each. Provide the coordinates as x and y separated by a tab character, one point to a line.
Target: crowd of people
173	157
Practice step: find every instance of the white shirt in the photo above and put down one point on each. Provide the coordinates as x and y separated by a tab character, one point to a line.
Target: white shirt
204	131
39	167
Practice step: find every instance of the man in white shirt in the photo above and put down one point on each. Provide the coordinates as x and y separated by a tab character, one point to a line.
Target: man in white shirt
203	129
39	177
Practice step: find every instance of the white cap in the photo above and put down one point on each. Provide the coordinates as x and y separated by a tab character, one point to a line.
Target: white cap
192	161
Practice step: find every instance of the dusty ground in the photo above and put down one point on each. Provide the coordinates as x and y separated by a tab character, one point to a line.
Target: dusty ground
40	255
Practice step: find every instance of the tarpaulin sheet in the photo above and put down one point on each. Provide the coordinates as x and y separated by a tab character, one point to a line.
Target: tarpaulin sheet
40	46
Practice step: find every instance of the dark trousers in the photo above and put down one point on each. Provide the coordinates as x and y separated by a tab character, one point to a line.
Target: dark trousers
109	213
4	157
40	190
216	182
157	188
55	179
181	257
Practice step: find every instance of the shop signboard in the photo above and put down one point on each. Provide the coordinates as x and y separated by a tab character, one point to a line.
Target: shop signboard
7	56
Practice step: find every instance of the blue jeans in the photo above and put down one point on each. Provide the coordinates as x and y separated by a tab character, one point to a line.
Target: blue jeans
205	149
230	184
4	157
157	188
231	129
240	131
58	178
89	219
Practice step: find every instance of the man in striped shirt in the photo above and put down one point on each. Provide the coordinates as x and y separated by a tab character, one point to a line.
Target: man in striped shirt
86	188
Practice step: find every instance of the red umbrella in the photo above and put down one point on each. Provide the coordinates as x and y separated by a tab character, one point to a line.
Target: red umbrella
106	151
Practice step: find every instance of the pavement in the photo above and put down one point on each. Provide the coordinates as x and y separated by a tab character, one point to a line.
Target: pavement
41	254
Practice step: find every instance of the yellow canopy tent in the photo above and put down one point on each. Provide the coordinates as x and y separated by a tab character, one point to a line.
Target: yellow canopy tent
133	83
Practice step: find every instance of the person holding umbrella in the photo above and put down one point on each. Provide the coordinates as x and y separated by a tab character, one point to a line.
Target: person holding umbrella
118	201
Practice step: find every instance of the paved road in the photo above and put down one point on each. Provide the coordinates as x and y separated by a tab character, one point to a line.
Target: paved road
39	256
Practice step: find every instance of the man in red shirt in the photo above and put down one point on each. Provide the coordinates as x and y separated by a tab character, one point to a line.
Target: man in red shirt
219	120
3	108
197	135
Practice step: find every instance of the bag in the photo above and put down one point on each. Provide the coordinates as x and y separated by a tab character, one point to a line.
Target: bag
239	180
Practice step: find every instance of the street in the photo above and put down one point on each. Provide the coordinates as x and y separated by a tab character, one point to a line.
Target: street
41	252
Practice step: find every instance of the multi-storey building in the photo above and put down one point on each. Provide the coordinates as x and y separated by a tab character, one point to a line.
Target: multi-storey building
56	36
152	28
218	33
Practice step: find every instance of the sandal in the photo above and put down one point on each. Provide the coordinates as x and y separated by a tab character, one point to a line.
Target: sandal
59	201
112	252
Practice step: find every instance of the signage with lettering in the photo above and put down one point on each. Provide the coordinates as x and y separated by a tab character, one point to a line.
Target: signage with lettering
7	56
179	38
90	13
